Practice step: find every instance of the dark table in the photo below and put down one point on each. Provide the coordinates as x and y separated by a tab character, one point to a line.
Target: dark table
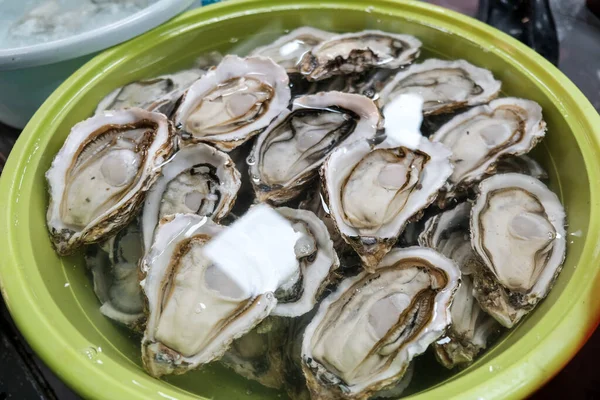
24	376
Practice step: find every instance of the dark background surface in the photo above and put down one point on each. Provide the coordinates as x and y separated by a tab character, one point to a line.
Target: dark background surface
24	376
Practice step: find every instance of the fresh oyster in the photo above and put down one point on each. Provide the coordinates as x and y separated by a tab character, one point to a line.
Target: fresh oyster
373	191
358	52
289	49
367	332
199	179
114	268
233	102
155	94
317	261
471	328
286	156
480	136
101	174
444	85
518	231
195	310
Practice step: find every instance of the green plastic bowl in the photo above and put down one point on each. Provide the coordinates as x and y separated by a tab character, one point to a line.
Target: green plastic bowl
51	298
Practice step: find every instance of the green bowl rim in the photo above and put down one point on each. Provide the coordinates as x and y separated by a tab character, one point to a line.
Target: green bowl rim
518	371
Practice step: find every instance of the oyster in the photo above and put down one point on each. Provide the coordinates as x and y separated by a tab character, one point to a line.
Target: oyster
199	179
396	390
471	327
518	231
444	85
195	310
289	49
155	94
367	332
317	261
100	176
285	157
372	192
233	102
114	268
480	136
357	52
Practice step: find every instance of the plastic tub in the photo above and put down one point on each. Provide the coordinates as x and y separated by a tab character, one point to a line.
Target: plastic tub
28	75
51	298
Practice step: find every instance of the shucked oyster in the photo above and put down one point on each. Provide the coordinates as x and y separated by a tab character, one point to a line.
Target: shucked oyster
101	174
155	94
518	231
233	102
367	332
285	157
356	52
199	179
288	50
195	310
471	327
444	85
480	136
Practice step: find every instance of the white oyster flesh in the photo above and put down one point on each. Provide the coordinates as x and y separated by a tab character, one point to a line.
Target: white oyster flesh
365	334
518	231
357	52
372	192
317	260
155	94
444	85
114	268
195	310
100	176
198	179
233	102
287	155
289	49
479	137
471	327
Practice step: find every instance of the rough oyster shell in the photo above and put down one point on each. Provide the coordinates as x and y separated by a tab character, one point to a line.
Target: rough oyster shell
518	231
100	176
233	102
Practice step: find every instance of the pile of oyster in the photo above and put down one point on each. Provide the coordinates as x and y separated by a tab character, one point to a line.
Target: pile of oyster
406	243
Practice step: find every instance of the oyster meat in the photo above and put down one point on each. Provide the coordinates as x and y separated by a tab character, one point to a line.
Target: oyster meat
195	310
444	85
480	136
233	102
199	179
518	232
100	176
367	332
471	327
357	52
286	156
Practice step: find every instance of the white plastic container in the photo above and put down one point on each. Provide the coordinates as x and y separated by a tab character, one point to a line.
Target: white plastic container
28	75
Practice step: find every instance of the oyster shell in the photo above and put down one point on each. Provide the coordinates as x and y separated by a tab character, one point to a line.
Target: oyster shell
372	192
518	231
199	179
286	156
471	327
519	164
114	268
233	102
357	52
289	49
317	261
444	85
155	94
195	310
367	332
480	136
100	176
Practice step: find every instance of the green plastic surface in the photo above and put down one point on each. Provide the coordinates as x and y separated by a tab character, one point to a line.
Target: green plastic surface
52	301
